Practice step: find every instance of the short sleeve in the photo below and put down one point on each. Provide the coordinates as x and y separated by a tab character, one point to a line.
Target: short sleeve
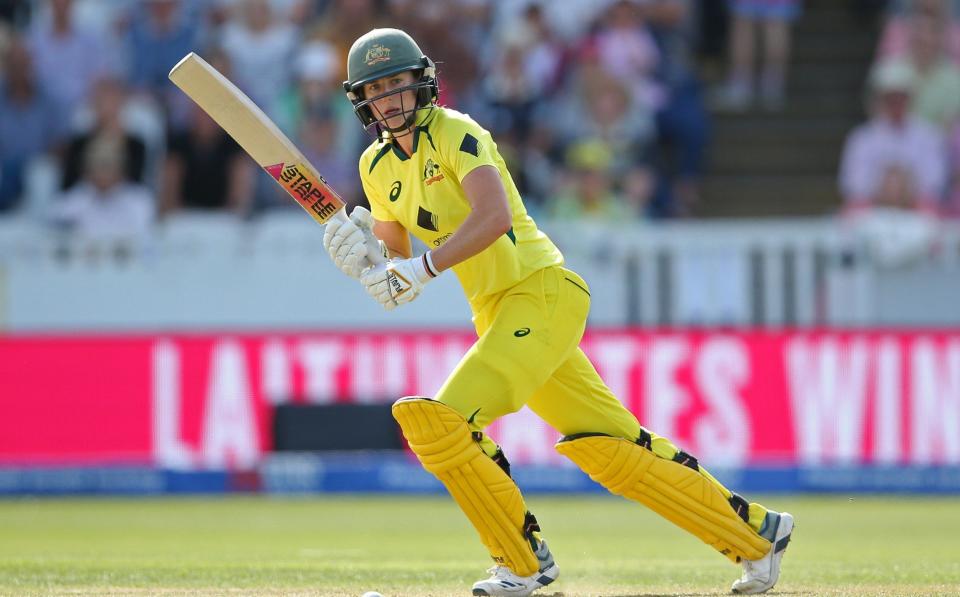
466	145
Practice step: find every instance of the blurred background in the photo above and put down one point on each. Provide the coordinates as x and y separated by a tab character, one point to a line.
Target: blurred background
763	196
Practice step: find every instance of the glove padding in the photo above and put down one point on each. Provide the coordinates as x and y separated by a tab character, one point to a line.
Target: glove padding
351	243
396	282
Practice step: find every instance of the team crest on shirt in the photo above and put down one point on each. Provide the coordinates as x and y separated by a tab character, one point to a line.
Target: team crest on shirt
431	172
377	53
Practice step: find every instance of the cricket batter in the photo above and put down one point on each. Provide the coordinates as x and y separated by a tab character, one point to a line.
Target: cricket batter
436	173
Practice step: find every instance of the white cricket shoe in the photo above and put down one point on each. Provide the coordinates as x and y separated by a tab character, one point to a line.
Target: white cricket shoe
759	576
504	582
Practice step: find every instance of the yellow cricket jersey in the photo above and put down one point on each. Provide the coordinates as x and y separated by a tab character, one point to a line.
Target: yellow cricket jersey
422	192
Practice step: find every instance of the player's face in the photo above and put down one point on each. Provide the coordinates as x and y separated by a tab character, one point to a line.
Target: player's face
392	109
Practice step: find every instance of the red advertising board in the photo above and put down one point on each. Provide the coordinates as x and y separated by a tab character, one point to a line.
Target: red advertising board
731	398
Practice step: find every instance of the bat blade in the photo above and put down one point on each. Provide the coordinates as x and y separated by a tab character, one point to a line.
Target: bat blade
253	130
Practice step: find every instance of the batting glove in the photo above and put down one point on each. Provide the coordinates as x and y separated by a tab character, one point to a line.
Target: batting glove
398	281
351	243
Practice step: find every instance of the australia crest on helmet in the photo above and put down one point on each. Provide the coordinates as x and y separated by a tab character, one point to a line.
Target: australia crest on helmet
377	53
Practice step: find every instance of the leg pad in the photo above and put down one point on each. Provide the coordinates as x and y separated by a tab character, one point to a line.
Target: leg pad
673	489
441	439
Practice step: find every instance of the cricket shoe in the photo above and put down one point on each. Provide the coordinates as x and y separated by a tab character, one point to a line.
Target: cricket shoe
504	582
759	576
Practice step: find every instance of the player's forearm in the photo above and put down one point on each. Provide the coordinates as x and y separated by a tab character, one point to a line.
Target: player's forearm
395	237
479	230
490	218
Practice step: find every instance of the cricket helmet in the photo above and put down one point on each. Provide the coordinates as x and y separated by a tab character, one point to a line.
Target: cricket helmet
381	53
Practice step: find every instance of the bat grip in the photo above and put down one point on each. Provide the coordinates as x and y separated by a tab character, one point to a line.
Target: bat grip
374	248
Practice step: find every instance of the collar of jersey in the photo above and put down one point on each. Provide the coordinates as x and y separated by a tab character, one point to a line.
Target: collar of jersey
420	128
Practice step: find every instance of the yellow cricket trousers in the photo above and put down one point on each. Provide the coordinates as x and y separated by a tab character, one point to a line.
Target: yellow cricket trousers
528	352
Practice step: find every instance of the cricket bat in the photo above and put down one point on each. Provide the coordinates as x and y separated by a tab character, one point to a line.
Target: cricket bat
258	136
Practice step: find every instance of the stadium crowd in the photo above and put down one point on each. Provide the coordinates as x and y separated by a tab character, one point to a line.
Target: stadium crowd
900	170
905	155
578	94
597	105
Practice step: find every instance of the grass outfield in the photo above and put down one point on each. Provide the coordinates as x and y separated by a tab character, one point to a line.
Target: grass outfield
407	546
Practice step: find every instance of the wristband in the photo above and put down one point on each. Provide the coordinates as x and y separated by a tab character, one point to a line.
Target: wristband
428	265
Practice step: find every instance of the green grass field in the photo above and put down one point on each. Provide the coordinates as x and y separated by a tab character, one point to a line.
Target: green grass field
406	546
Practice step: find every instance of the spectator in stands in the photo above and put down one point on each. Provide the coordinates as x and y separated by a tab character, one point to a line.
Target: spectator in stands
104	213
895	159
772	18
30	125
936	96
205	169
69	59
342	21
682	121
524	70
261	50
317	88
601	106
626	49
588	191
296	12
571	21
161	32
893	172
619	92
511	92
895	40
107	105
475	21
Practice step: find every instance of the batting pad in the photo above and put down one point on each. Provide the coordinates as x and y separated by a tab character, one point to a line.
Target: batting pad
678	493
441	439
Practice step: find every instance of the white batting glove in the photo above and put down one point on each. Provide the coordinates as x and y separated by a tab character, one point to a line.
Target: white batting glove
398	281
351	243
